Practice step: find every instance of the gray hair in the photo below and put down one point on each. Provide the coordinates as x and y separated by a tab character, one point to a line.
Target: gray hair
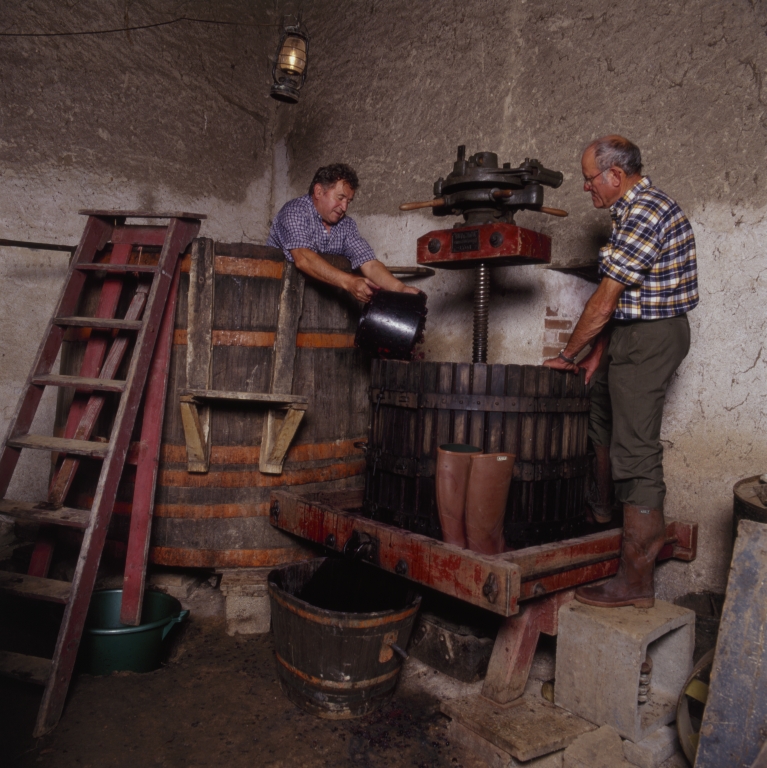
615	150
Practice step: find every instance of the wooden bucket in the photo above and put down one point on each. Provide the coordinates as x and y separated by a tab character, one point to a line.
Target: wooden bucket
335	623
537	414
220	518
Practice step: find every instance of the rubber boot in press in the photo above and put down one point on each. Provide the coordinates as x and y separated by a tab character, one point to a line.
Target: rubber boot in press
488	490
644	534
601	507
452	477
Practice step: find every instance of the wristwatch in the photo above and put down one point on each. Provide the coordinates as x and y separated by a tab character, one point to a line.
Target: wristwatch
570	360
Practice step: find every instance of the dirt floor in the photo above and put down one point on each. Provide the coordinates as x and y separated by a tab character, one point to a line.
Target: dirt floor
217	702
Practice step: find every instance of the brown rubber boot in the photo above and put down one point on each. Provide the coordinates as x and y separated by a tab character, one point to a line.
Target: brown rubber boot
452	477
601	507
644	533
489	480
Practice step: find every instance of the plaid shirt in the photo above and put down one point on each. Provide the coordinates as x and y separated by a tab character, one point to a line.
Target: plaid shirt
299	225
652	252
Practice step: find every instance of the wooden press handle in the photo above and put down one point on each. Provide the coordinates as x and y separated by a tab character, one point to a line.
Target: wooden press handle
426	204
551	211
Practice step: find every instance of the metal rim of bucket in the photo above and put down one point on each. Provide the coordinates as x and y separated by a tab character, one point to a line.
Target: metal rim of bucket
126	629
340	618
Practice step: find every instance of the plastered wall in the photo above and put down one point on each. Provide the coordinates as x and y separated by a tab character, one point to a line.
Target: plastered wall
395	86
165	119
179	117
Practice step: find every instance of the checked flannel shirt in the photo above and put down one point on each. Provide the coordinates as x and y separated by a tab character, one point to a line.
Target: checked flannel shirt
652	252
298	225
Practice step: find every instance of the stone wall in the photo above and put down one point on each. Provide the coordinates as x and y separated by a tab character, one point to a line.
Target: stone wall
179	117
176	117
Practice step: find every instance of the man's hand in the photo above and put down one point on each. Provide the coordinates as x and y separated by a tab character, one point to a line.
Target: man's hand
558	364
591	362
361	288
382	278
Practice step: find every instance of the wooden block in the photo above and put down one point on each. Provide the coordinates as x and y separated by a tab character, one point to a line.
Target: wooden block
495	757
282	440
197	445
732	729
528	728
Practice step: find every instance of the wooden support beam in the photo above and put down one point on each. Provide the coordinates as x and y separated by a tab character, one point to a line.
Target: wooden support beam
515	645
276	437
196	418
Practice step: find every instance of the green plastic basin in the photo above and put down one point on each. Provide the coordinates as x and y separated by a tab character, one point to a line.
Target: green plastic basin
109	646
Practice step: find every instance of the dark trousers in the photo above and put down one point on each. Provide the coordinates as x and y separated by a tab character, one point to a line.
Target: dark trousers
627	399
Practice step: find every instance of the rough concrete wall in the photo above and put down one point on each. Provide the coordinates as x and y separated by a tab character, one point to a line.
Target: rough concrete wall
395	86
172	118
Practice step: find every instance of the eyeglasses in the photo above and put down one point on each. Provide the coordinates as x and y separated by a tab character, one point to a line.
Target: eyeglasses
589	180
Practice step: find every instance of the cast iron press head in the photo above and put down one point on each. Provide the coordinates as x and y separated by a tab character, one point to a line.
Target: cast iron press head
392	324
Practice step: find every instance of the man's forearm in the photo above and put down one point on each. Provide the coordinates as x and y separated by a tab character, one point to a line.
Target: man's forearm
596	314
374	270
315	266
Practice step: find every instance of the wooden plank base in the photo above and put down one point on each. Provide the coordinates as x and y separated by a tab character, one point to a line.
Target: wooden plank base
528	728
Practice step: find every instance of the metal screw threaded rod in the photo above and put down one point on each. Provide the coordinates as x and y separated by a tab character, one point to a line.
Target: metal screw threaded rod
481	312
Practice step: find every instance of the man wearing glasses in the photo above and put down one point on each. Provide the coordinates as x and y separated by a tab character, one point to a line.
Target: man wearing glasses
637	320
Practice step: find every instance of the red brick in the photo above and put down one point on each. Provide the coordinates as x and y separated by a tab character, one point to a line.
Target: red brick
550	352
551	312
565	337
560	325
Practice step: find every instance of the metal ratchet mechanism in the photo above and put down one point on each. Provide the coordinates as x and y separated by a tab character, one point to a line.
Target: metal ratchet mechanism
487	197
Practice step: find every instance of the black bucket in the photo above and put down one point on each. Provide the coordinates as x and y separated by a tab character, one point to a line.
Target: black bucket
392	324
340	628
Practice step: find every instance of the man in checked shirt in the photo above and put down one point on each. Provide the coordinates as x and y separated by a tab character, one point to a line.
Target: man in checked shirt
636	322
317	223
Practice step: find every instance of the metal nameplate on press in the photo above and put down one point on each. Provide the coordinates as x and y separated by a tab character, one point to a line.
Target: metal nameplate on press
466	240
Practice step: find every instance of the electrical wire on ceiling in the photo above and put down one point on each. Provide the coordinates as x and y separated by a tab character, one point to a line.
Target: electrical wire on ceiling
136	28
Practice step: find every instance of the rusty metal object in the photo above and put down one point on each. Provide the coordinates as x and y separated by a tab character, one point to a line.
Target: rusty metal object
487	196
483	192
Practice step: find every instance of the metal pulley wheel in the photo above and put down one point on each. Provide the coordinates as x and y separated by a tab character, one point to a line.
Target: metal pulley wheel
691	705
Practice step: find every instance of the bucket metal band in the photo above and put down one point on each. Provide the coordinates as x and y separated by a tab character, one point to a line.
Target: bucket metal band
489	403
383	619
335	685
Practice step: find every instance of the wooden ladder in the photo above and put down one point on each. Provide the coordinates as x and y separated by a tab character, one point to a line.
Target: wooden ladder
143	320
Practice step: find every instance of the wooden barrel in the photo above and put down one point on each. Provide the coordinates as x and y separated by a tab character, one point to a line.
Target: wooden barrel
220	518
538	414
335	622
747	502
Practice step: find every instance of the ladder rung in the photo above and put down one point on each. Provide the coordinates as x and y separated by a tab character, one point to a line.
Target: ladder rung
80	383
28	669
62	445
28	512
99	322
116	268
24	585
